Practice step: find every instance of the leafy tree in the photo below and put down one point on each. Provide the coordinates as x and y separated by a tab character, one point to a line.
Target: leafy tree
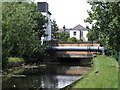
63	36
54	30
73	39
19	22
93	35
0	34
105	18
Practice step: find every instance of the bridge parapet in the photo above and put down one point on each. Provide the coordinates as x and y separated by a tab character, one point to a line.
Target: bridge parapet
77	44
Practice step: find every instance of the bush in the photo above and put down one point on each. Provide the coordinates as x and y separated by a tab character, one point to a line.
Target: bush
14	61
63	36
80	40
73	39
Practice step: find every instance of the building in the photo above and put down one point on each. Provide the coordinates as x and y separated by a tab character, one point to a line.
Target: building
43	8
79	32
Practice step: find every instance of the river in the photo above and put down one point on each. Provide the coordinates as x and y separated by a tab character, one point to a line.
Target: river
48	75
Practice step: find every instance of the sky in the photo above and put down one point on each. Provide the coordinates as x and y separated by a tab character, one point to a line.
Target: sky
68	12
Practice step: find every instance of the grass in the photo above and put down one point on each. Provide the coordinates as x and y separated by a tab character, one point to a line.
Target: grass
20	71
15	59
104	74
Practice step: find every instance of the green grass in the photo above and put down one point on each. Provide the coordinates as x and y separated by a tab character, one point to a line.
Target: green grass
107	76
18	71
15	59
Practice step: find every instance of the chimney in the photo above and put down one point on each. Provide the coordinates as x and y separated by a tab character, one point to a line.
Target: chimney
42	6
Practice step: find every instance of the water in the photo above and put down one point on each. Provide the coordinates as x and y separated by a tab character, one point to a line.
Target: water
58	81
40	81
52	75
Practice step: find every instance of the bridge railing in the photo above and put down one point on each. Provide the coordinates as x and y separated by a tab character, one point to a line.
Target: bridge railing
76	49
77	44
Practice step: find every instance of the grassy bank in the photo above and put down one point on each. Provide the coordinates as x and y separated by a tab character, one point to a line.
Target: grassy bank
17	66
104	74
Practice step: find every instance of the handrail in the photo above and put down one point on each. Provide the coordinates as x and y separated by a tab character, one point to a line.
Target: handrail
77	48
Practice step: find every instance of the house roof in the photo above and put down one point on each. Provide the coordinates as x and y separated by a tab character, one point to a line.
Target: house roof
79	27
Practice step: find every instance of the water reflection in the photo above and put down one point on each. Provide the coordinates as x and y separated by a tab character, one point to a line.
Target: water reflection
57	81
32	81
40	81
52	76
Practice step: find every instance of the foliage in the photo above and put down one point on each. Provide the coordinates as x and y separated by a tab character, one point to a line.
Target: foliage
80	40
63	36
54	30
0	40
105	18
15	59
92	35
73	39
21	27
17	72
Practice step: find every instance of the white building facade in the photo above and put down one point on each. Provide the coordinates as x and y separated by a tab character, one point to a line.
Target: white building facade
43	8
85	38
79	32
75	33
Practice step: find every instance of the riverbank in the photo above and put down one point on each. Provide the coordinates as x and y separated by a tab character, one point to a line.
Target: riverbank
46	75
18	66
104	74
21	70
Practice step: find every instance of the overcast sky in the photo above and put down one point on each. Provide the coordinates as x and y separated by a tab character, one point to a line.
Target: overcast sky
68	12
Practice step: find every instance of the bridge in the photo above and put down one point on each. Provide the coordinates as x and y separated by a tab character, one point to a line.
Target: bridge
84	50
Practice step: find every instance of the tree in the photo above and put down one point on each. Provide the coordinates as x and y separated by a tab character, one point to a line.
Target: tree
93	35
19	22
73	39
63	36
54	30
105	18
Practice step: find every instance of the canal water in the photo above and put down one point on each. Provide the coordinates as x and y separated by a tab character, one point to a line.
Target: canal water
48	75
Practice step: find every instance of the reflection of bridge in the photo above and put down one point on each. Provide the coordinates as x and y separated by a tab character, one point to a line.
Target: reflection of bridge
76	49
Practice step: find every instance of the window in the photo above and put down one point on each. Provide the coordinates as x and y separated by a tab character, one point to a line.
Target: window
74	33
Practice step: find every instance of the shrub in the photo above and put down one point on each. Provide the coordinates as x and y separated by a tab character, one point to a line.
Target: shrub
80	40
73	39
15	61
